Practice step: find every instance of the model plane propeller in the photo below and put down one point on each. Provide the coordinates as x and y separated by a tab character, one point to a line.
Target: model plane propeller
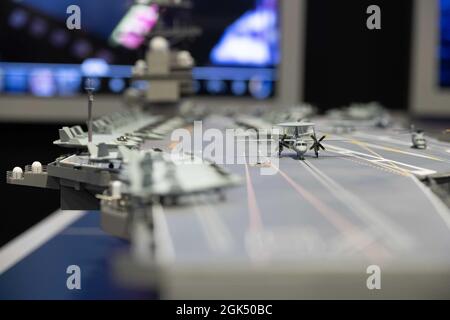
317	144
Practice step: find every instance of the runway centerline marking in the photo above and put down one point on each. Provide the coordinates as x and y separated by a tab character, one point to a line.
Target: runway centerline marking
255	221
253	209
375	253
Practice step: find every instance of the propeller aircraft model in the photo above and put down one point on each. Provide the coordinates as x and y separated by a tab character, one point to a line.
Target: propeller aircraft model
296	136
299	137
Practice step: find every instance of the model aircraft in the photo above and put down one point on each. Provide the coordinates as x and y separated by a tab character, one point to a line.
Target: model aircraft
299	137
296	136
417	137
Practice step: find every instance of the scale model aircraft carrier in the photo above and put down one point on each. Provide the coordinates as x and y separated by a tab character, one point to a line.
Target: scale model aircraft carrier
308	230
287	205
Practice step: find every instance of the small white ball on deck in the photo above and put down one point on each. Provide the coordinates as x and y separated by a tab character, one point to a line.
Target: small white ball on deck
185	59
36	167
159	44
17	173
140	67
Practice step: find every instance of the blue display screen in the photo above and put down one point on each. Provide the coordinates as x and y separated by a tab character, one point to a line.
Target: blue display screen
98	24
445	44
252	40
237	53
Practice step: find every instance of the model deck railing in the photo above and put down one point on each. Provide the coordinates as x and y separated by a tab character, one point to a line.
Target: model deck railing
29	169
8	175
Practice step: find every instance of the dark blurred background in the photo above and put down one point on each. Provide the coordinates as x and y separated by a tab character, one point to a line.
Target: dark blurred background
346	62
21	208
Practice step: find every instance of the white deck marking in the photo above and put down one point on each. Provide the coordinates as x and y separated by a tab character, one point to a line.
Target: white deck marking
432	143
382	138
165	251
365	157
383	161
375	146
255	225
416	170
32	239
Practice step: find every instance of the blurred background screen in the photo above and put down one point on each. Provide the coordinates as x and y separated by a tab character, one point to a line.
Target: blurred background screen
445	44
237	53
